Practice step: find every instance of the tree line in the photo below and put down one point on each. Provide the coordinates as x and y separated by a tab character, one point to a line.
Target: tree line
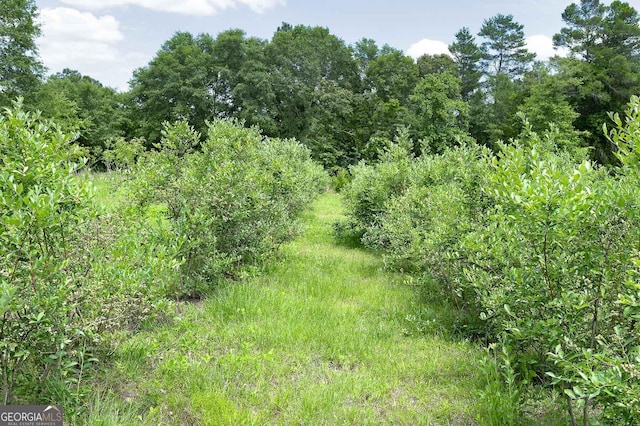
345	102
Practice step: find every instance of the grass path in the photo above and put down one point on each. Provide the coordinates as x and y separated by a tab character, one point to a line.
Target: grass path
324	336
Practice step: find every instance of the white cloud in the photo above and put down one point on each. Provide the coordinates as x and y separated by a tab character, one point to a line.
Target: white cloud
542	46
87	43
186	7
68	35
427	47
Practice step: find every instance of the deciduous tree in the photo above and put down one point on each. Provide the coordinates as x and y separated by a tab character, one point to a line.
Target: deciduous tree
435	64
178	84
392	75
300	60
437	114
83	105
20	68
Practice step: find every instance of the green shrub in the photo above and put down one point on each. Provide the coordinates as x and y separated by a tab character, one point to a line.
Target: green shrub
70	275
73	277
550	267
122	154
372	186
421	229
230	201
340	179
127	272
41	204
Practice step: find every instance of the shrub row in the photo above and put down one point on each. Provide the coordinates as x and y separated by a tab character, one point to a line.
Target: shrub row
229	200
538	248
72	275
68	274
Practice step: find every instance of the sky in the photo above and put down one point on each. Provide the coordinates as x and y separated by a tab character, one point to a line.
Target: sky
109	39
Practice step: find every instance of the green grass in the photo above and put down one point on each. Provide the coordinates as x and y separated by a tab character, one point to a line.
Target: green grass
323	336
107	189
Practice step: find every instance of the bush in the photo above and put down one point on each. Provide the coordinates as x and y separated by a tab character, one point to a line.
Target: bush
421	229
70	276
41	204
549	268
372	186
229	201
126	271
122	154
340	179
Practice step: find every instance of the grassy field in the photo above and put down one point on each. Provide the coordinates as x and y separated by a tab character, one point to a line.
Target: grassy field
324	336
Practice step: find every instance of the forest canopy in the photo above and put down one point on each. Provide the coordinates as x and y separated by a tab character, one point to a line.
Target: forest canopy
345	102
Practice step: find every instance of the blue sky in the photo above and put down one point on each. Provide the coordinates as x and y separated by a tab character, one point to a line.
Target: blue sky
108	39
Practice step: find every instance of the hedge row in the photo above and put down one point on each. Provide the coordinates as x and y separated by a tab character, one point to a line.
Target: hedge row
538	248
73	275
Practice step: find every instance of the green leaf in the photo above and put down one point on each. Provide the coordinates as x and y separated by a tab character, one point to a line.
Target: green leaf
578	392
6	296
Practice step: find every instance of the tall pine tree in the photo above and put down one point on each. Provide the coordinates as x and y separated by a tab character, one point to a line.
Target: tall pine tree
505	47
603	67
467	55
